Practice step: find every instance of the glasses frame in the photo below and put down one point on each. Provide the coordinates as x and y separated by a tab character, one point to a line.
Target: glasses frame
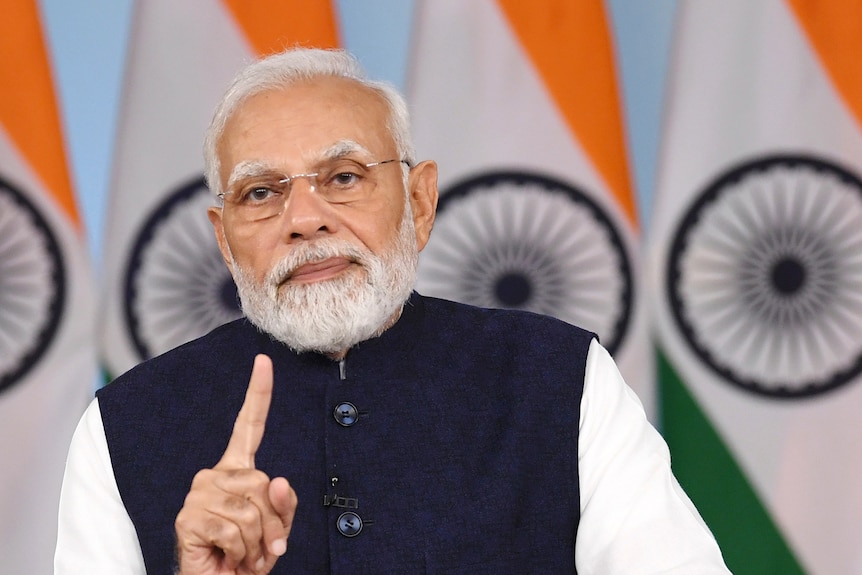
312	180
289	179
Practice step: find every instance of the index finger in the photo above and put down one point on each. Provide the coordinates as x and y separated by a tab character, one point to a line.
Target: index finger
250	423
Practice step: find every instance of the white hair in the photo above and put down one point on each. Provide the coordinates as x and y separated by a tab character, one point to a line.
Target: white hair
291	66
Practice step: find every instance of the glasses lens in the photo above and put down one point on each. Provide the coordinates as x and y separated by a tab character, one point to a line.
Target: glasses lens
345	181
338	182
259	198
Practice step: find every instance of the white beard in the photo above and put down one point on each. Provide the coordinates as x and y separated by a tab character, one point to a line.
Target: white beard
332	316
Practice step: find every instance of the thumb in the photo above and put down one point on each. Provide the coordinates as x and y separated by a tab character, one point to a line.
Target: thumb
283	501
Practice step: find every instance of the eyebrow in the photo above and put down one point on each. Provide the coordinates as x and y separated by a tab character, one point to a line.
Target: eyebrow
256	168
343	148
248	169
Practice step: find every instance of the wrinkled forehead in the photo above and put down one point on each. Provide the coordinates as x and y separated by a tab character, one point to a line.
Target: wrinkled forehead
333	96
308	120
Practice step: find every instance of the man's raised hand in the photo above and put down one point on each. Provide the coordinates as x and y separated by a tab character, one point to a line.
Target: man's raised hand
235	520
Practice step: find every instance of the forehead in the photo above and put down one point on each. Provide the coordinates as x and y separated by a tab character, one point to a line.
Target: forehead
296	124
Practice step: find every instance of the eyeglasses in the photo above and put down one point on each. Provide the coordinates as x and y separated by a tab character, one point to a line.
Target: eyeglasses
340	181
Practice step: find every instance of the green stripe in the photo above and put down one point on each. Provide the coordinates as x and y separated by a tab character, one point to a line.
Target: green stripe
749	539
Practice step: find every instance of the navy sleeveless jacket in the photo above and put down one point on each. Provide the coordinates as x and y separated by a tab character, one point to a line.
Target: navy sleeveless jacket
446	445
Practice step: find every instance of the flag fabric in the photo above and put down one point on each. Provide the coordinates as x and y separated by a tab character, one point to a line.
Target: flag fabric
165	280
518	103
47	333
757	255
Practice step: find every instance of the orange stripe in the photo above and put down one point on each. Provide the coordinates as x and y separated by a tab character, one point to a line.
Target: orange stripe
28	109
569	43
834	28
273	25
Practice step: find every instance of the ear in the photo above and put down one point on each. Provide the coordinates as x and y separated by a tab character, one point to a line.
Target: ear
423	199
215	215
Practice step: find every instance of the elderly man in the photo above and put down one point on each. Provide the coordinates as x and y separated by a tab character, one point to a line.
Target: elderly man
379	431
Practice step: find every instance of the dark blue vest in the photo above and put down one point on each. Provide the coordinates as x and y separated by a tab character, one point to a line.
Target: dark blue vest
450	446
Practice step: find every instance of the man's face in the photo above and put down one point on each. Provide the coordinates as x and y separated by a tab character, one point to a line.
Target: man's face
298	130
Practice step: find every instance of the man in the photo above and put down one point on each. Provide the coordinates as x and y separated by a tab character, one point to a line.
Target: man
380	431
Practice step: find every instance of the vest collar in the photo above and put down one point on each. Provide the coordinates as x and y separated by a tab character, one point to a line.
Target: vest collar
376	355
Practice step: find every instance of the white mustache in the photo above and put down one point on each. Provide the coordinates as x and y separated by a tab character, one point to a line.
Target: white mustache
310	253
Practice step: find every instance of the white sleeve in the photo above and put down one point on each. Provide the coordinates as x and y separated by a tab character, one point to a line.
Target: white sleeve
95	534
635	518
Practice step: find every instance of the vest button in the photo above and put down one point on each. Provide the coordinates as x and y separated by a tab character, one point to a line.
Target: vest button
345	414
349	524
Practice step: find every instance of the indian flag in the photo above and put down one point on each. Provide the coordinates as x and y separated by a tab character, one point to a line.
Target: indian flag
166	282
47	333
518	103
757	254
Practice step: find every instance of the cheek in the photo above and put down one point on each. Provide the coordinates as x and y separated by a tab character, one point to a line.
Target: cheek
252	251
379	231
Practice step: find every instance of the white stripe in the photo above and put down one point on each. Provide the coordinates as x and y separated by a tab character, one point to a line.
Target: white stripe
38	413
182	57
746	83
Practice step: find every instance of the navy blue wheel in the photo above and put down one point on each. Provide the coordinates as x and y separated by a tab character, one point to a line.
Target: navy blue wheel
764	276
177	287
527	241
32	285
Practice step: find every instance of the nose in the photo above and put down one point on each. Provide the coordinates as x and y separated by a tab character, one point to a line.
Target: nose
306	214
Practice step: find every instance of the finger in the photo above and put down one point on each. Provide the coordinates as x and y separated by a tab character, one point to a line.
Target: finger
246	515
236	505
263	514
198	533
276	528
250	423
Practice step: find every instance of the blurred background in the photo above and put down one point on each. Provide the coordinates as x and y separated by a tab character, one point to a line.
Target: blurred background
88	40
681	178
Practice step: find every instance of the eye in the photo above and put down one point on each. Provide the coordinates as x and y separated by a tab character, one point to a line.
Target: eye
259	193
344	178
